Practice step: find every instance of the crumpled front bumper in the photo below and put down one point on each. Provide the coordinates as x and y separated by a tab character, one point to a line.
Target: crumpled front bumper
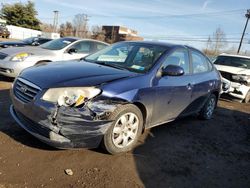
64	127
235	89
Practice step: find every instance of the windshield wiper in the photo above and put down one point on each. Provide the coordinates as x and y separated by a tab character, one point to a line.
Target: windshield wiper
112	65
105	64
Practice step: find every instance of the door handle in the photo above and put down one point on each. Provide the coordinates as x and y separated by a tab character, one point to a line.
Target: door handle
189	86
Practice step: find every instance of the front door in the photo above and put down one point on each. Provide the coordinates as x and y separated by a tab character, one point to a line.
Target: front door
173	93
81	48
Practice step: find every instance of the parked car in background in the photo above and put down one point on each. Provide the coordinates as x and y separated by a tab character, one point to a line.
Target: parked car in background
111	96
235	70
14	60
32	41
4	32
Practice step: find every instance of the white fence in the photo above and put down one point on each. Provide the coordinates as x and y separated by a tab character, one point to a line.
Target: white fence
22	33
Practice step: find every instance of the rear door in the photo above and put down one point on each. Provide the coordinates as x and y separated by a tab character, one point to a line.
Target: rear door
204	82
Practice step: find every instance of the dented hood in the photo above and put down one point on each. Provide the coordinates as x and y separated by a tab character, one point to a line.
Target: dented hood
233	70
72	74
35	50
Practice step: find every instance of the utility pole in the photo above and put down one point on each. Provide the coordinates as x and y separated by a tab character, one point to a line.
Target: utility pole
55	20
112	37
247	16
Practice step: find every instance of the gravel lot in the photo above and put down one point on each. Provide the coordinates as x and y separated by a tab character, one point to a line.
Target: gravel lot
184	153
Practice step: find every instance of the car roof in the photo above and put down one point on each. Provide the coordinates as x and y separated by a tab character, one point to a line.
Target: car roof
85	39
232	55
164	44
158	43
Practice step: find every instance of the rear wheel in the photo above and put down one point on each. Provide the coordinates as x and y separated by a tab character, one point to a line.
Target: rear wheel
208	109
125	130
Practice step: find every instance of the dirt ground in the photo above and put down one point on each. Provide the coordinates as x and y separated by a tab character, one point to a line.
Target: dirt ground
185	153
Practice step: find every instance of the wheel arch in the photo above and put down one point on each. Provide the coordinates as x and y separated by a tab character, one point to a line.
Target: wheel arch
42	61
143	111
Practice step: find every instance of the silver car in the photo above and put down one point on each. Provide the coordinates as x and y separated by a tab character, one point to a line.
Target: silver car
14	60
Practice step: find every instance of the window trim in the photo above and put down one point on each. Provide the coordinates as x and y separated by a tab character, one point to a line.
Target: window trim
206	58
77	42
179	49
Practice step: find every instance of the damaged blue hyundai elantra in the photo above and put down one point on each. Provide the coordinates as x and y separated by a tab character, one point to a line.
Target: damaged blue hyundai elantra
109	98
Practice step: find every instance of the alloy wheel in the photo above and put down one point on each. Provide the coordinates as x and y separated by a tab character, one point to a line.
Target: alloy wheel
125	130
210	107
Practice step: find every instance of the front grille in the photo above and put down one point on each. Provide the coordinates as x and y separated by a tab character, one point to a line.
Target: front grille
25	90
3	55
3	69
6	70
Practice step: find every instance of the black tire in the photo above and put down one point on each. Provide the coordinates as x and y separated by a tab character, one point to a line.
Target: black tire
247	98
108	142
208	108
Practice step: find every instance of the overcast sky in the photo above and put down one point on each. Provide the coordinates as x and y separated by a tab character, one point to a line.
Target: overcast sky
157	19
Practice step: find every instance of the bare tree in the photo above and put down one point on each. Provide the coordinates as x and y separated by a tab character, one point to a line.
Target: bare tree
80	24
216	43
219	40
46	27
97	33
62	30
69	30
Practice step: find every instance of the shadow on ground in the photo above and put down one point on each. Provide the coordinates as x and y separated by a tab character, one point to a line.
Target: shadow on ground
196	153
10	128
6	79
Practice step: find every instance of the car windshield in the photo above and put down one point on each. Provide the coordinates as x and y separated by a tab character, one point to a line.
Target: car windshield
240	62
28	40
134	57
58	44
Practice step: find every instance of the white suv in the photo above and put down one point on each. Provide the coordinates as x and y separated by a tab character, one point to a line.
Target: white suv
235	70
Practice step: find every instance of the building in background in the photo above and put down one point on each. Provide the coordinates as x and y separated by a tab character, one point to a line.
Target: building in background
2	22
23	33
118	33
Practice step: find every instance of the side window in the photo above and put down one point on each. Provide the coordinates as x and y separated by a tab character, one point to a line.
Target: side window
82	47
199	62
180	58
100	46
41	41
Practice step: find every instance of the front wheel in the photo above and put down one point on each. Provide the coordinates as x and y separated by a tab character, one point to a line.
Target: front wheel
125	130
208	109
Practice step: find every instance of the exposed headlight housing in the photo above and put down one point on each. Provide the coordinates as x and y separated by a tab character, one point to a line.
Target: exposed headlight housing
241	77
20	56
70	96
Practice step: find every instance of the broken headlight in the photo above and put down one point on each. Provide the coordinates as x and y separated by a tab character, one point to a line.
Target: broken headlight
71	96
241	77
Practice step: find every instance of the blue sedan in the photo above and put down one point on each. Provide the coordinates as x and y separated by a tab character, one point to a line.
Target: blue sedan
109	98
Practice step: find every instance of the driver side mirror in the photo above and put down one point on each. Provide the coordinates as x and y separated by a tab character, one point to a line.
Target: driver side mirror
172	70
35	43
72	50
